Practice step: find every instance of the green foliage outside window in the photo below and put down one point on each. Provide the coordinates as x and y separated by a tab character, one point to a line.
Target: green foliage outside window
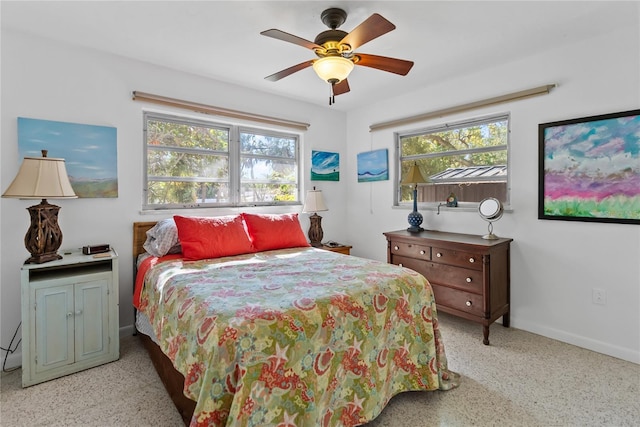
190	163
269	168
463	149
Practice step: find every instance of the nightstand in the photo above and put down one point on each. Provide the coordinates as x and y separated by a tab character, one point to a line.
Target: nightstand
339	249
69	315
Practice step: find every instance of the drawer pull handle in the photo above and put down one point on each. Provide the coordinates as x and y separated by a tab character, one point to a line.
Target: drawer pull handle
439	255
472	260
468	303
395	248
468	279
422	252
78	313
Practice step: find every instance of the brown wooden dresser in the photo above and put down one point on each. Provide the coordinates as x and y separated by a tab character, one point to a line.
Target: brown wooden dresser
470	276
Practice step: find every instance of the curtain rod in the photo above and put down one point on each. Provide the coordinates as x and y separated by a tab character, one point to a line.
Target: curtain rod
209	109
540	90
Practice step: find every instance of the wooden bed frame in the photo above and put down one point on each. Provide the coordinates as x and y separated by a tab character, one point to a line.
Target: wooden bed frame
172	379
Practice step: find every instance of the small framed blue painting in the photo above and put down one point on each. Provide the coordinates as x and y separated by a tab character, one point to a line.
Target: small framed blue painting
373	166
325	166
90	153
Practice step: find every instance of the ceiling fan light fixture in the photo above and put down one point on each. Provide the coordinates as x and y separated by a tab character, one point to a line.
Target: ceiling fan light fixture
333	68
336	50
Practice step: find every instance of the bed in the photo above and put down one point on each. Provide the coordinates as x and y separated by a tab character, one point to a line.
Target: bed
293	336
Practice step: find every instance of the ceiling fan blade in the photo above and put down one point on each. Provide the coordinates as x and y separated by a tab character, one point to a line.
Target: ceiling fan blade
371	28
288	71
341	87
281	35
392	65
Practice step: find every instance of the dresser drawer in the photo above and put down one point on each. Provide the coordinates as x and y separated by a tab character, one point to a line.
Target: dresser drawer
453	257
460	278
410	250
463	301
415	264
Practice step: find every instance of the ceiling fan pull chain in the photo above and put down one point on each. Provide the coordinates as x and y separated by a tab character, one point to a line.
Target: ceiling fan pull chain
332	97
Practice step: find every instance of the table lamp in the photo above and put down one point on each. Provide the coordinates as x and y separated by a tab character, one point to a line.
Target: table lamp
42	178
414	177
315	203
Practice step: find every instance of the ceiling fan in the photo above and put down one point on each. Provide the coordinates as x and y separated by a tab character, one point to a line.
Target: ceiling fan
335	50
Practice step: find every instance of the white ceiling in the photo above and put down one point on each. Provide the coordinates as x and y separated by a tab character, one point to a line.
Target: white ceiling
221	39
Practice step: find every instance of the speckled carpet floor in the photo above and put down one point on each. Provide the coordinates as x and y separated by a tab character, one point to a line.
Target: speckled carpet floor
521	379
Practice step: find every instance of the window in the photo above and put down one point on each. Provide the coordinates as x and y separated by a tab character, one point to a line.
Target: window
469	159
196	163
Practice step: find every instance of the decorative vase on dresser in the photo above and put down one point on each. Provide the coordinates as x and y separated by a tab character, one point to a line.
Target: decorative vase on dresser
470	276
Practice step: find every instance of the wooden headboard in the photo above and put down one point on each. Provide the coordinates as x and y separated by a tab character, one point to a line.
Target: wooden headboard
140	236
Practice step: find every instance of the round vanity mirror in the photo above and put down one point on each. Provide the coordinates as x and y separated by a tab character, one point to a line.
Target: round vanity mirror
490	209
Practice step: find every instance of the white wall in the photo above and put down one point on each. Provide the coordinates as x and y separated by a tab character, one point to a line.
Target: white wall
554	264
47	80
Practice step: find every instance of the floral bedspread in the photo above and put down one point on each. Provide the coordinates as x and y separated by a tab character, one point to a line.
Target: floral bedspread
295	337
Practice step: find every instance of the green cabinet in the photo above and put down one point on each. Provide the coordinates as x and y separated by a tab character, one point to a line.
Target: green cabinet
69	315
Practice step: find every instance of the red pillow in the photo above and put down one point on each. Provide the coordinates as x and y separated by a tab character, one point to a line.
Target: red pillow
269	232
214	237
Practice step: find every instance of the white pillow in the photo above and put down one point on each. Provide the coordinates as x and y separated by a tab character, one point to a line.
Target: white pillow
162	239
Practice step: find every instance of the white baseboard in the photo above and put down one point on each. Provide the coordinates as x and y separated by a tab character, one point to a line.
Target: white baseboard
618	352
126	331
14	360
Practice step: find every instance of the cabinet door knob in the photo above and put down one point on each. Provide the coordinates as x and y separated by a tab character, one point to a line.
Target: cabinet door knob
395	248
472	260
78	313
422	252
468	303
400	265
69	314
468	279
439	255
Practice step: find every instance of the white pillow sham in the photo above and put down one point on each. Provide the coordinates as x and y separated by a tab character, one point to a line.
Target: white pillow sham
162	239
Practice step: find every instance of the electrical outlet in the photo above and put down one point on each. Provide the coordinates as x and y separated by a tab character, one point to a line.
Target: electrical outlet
599	296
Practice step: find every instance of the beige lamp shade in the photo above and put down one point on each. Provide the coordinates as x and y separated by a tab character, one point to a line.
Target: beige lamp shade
314	202
414	176
41	178
333	68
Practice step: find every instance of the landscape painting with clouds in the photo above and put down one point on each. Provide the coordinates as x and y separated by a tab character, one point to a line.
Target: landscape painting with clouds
90	152
325	166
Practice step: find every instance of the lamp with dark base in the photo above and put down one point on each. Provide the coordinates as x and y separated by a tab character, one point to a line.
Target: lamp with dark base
44	237
315	203
414	177
415	217
42	178
315	230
